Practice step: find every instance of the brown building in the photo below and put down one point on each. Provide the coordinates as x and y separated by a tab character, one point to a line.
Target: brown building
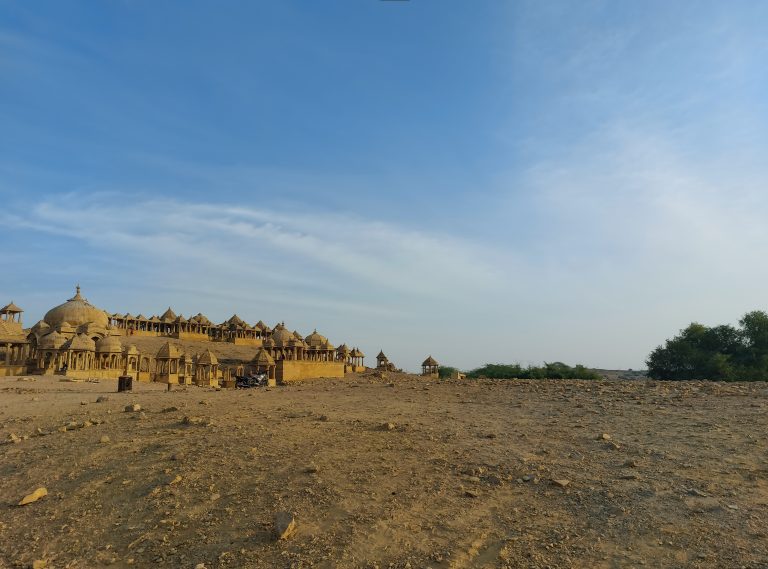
77	339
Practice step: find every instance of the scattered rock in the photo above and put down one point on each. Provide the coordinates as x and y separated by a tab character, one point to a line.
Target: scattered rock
604	437
134	408
14	438
471	494
176	480
561	482
190	420
698	493
285	525
493	480
102	399
631	463
83	403
39	564
311	469
105	439
388	427
169	409
323	418
215	497
34	496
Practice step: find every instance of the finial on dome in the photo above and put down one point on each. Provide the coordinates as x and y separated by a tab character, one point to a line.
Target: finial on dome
77	294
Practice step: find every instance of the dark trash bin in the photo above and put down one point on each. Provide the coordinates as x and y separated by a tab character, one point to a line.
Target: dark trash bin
124	383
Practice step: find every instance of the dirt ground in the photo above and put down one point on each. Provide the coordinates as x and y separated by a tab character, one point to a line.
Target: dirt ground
386	472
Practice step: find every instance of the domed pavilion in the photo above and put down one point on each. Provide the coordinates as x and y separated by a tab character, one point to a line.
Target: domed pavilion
14	346
80	314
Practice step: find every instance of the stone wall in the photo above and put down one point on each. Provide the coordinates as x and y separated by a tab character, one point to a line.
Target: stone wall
92	373
293	370
127	332
13	370
246	342
191	336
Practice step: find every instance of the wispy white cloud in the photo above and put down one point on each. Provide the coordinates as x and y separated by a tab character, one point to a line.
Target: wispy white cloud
641	190
380	254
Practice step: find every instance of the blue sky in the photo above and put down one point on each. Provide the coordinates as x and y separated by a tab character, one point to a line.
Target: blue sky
484	181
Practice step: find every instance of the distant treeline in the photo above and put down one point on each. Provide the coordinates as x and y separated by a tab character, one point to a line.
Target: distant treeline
555	370
722	353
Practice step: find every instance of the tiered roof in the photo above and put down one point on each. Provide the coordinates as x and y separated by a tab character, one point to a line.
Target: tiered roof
168	316
10	308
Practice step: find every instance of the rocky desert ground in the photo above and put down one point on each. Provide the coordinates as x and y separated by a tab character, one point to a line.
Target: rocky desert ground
393	471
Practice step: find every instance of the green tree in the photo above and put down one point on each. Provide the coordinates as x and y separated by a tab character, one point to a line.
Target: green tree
754	360
720	353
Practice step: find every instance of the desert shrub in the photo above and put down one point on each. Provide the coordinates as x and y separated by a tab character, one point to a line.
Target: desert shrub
445	372
554	370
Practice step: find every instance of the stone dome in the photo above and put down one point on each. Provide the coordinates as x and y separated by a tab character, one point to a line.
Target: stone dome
169	351
77	311
41	327
81	342
430	361
263	358
109	345
207	358
282	337
316	340
52	341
